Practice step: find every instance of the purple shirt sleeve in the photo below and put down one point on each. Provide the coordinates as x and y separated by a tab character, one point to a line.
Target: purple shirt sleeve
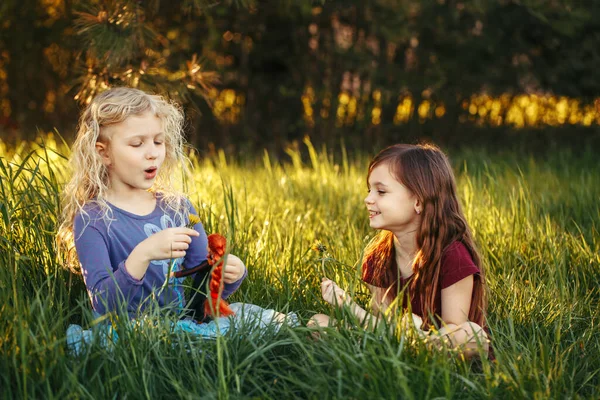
105	286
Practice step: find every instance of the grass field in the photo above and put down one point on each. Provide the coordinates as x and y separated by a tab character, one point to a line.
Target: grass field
536	221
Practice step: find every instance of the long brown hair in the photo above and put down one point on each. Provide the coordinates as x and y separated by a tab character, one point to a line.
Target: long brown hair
426	172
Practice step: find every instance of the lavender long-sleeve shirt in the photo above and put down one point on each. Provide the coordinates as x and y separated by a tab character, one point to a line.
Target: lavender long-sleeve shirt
103	247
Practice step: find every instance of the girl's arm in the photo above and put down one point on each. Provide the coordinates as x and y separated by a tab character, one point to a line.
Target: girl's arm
456	302
169	243
457	282
105	286
108	283
377	302
457	330
337	297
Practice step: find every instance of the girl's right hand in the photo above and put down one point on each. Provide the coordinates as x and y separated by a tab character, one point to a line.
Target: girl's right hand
168	243
332	293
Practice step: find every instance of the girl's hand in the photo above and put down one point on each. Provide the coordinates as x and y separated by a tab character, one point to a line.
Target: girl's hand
168	243
233	270
410	320
332	293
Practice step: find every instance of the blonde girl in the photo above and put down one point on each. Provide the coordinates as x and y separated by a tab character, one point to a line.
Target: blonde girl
123	208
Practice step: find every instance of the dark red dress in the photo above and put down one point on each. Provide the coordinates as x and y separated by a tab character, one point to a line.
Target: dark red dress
456	265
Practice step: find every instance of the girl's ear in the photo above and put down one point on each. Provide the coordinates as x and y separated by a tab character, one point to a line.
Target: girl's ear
102	149
418	206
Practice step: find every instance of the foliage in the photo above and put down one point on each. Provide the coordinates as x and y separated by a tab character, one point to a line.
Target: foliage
274	71
535	220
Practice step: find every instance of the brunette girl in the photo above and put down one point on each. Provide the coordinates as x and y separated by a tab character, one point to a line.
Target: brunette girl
424	250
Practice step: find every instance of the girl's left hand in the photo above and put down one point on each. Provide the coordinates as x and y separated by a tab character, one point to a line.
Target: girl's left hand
233	270
332	293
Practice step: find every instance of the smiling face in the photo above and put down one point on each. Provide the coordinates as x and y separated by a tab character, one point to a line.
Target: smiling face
390	204
133	151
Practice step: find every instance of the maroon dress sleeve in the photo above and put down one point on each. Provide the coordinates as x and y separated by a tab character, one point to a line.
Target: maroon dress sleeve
457	264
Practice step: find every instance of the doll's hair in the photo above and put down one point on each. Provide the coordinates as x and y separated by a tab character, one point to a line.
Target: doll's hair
424	170
89	179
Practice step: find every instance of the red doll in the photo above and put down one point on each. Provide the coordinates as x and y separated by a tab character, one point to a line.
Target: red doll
214	306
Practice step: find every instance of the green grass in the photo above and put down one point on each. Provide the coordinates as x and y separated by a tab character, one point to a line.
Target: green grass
536	222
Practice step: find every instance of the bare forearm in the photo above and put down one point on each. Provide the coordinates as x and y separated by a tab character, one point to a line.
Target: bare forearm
365	318
467	335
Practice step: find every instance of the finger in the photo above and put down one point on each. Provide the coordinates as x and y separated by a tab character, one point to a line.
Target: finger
323	290
233	259
186	231
331	298
177	254
230	275
230	279
182	238
179	246
230	267
232	263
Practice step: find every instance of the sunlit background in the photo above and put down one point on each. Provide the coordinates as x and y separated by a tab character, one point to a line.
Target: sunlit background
286	101
267	76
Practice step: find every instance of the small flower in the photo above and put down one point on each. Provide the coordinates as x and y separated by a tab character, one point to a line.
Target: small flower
193	220
318	247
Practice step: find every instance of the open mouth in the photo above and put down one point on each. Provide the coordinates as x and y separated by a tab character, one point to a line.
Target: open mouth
150	172
373	213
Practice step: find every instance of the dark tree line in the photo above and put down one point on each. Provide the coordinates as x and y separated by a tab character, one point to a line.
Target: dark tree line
276	59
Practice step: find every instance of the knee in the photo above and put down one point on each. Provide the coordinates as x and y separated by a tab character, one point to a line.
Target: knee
475	338
318	321
473	331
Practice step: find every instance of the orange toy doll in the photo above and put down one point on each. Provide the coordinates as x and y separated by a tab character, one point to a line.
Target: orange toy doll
214	306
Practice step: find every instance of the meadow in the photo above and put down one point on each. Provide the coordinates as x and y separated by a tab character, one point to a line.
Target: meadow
536	220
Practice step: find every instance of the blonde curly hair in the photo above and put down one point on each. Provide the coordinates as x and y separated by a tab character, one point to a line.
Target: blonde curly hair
89	180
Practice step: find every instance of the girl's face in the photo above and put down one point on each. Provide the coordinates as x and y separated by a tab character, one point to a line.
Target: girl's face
390	204
133	151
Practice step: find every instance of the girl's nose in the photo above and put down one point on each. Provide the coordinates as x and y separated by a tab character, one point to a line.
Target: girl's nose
368	199
152	153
